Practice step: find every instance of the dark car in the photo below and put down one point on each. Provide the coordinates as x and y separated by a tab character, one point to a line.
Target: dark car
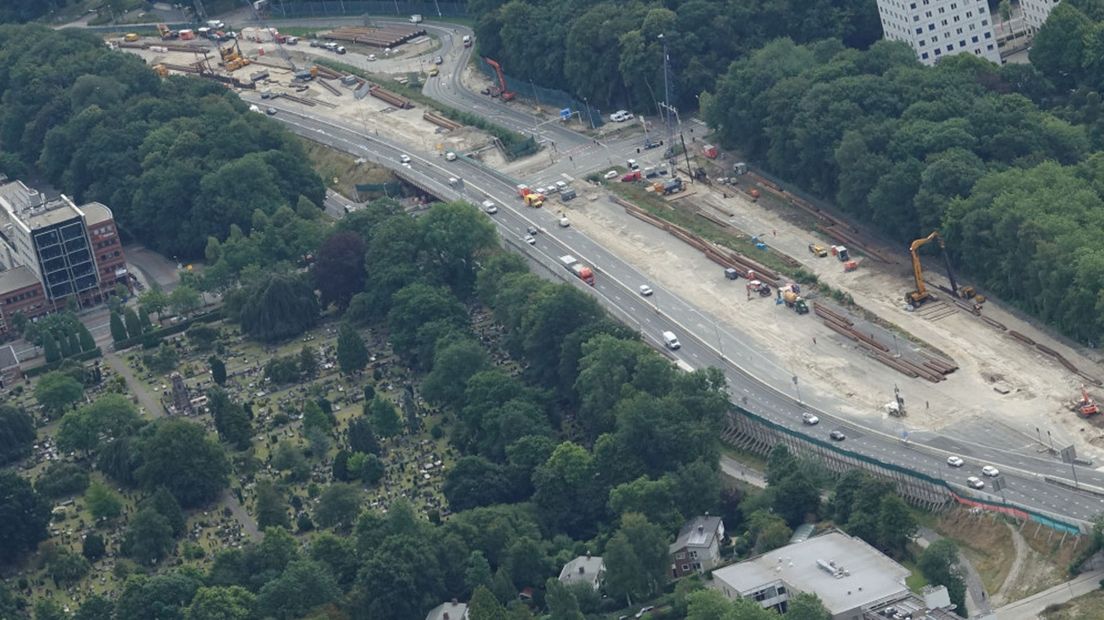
837	435
437	60
652	144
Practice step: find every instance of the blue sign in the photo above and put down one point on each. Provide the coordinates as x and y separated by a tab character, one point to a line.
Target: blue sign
565	114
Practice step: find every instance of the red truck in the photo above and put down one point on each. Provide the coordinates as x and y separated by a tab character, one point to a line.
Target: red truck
580	270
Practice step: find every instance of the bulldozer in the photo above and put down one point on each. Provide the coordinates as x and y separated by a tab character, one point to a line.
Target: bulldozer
1086	407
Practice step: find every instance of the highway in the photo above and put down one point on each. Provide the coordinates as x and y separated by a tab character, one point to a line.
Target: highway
751	375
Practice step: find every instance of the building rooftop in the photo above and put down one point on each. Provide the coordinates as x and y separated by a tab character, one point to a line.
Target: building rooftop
585	568
8	358
449	611
17	278
697	532
94	213
32	208
844	572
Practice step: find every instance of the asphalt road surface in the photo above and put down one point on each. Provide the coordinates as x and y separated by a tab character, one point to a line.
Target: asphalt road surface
756	380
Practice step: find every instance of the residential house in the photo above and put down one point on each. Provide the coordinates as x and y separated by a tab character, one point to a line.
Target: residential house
698	546
586	569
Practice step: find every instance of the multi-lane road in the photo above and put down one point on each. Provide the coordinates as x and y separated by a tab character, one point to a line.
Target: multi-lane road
757	380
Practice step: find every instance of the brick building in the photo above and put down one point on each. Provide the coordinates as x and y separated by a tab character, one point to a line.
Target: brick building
52	251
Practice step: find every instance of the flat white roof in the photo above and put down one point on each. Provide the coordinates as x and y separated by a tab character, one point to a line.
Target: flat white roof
865	575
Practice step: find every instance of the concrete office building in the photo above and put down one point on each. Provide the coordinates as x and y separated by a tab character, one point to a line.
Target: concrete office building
938	28
852	579
52	251
1035	12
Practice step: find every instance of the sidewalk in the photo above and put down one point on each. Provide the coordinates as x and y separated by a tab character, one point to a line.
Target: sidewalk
1030	607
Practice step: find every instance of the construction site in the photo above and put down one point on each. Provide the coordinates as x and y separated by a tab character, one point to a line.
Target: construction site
285	71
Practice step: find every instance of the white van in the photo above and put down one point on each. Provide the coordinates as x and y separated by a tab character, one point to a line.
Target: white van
415	19
671	340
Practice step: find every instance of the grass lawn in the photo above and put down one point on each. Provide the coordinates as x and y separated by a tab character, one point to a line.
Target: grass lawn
1087	607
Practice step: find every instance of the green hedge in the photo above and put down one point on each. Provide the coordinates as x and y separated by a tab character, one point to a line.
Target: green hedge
45	368
515	144
156	335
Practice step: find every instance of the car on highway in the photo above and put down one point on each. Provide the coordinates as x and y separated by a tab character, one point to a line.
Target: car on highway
990	471
270	111
490	207
530	239
621	116
437	60
837	435
564	222
532	230
955	461
671	340
450	156
646	290
975	482
612	174
404	159
809	419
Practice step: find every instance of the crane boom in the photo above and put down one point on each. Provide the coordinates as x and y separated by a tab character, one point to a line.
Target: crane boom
504	92
921	294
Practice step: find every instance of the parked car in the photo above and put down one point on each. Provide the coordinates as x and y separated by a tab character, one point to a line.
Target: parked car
612	174
837	435
990	471
437	60
809	419
621	116
270	111
650	143
975	482
955	461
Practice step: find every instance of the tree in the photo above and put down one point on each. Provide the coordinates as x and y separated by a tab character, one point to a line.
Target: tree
474	481
338	506
149	538
896	526
367	467
304	585
282	369
278	307
271	509
338	554
133	324
795	497
308	362
710	604
561	601
17	433
118	329
385	417
361	436
184	299
477	572
93	547
484	606
166	505
939	565
231	420
315	418
352	355
111	416
222	603
153	300
102	502
218	370
564	489
459	235
87	342
453	365
66	567
636	559
95	607
48	609
51	349
202	336
179	456
290	458
61	479
807	606
414	310
338	270
24	515
56	391
160	596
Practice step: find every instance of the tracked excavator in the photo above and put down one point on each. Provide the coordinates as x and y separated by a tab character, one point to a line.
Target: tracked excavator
917	297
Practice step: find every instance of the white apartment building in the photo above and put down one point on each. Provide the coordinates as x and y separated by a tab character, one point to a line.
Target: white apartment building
938	28
1035	12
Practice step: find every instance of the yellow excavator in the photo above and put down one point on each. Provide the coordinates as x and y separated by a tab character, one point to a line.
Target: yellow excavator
921	294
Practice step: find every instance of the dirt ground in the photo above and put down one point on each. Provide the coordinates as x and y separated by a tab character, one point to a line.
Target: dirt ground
1038	389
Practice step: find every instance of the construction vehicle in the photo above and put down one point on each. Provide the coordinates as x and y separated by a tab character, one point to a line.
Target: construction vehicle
534	200
580	270
920	295
841	254
501	90
1087	407
757	286
161	70
850	266
166	32
817	250
670	186
130	37
793	300
232	58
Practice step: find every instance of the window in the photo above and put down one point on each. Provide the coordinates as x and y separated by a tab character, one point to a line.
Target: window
924	55
988	35
974	39
693	555
919	30
685	567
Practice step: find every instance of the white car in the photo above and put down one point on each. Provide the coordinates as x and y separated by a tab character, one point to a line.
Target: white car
990	471
561	186
612	174
621	116
404	159
564	222
975	482
646	290
490	207
809	419
371	57
530	239
450	156
955	461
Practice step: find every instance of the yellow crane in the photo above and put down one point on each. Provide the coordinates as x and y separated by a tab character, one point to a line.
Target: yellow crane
921	294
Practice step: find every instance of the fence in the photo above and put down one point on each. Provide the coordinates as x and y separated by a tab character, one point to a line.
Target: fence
549	98
328	8
758	434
